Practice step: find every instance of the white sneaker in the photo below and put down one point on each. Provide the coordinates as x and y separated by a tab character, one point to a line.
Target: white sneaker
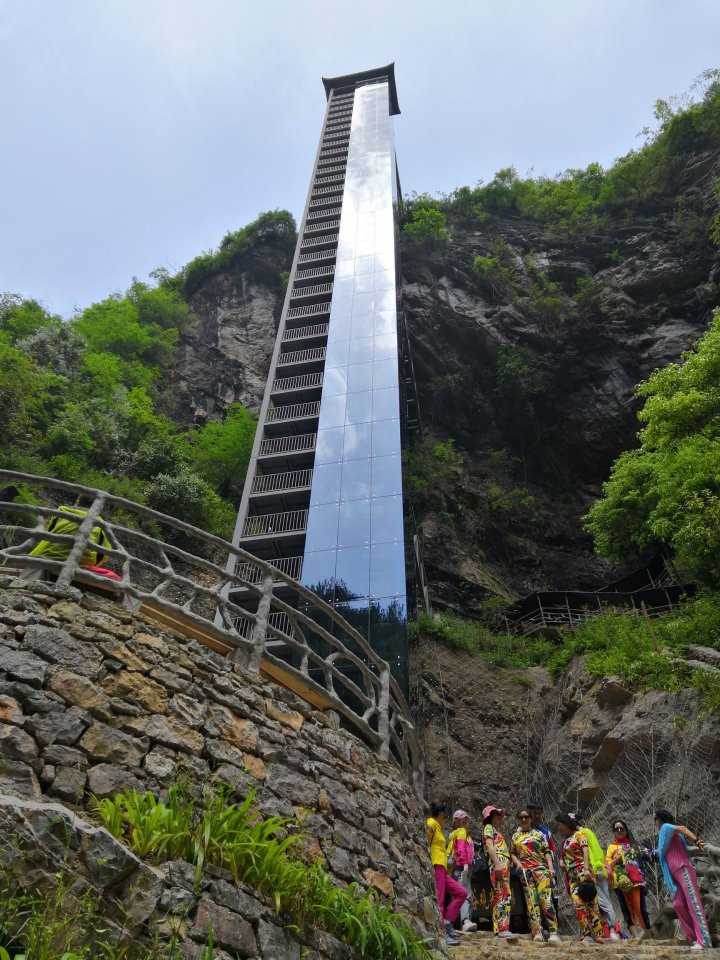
506	935
553	938
697	946
539	938
614	935
468	927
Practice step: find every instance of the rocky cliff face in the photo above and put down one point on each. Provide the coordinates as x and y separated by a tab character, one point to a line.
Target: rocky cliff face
532	374
226	357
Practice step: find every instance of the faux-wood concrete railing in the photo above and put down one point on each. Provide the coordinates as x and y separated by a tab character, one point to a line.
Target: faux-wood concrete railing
174	574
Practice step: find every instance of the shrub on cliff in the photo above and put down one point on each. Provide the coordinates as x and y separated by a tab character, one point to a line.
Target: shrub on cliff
273	227
668	490
427	224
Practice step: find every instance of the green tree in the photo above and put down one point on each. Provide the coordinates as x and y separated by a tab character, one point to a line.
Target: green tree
186	496
21	318
427	224
668	490
27	395
55	346
220	451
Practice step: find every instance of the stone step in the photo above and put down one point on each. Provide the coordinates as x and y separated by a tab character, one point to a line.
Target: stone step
483	946
697	665
708	654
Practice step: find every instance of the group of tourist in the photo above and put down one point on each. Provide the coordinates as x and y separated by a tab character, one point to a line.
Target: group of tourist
587	873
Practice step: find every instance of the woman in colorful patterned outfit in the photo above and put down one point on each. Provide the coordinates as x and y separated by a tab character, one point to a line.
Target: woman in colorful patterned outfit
625	873
461	850
575	863
681	879
444	883
499	860
530	853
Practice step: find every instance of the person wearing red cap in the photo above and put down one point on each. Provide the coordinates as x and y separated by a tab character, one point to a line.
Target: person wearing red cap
461	852
444	883
499	859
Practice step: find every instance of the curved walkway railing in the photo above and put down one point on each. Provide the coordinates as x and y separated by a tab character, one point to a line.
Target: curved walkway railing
176	573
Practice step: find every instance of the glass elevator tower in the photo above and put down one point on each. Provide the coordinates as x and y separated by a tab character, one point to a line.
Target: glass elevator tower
323	499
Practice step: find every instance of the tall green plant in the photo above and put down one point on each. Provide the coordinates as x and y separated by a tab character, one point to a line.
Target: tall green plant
262	853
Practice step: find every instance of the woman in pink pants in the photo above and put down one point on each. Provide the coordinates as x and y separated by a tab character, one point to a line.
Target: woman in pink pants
444	883
681	879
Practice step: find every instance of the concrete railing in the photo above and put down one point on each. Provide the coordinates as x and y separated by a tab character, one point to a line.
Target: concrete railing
181	576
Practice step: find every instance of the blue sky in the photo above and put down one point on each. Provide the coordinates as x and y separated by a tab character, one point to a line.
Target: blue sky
136	133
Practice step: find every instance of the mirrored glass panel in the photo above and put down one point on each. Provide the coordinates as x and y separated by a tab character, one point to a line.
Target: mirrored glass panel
387	570
385	437
357	441
319	573
354	526
322	529
386	476
352	573
333	411
356	479
326	483
387	519
359	407
329	445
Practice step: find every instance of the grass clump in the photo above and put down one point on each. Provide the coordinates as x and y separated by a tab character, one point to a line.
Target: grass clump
474	637
647	654
68	923
264	853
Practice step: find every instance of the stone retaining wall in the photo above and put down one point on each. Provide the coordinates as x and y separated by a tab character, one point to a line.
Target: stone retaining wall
94	699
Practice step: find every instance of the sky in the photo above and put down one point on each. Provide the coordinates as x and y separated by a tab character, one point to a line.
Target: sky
136	133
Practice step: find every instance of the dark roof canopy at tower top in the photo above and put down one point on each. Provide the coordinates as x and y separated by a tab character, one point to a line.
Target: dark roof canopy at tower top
350	80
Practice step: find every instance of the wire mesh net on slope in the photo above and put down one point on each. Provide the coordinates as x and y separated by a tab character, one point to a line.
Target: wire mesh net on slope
481	753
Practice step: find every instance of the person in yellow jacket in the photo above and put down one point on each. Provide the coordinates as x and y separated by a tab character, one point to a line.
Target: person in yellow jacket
69	525
444	883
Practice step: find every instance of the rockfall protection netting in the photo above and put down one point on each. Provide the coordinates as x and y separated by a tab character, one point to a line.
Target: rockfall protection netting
680	773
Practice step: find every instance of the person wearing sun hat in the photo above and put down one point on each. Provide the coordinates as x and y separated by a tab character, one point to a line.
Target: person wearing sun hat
461	852
498	856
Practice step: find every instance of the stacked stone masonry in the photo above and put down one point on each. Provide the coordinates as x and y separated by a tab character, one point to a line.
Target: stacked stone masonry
94	699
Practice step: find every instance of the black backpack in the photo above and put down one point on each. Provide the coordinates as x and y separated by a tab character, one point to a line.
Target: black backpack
480	863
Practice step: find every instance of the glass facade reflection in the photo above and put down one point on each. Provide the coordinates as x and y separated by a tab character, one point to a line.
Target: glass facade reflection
356	496
323	498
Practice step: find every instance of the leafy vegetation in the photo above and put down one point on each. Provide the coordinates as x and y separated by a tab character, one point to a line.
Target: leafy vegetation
427	223
82	400
668	490
477	639
579	201
264	853
431	467
645	653
68	923
498	270
275	227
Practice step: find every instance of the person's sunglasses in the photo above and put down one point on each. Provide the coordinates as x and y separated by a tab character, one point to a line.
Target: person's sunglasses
524	816
619	829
